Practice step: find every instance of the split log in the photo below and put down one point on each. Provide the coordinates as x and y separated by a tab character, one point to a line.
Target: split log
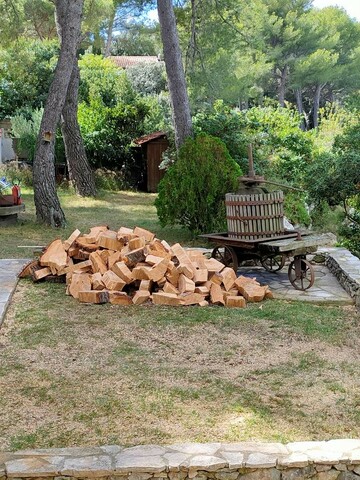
235	302
216	295
141	232
119	298
71	240
112	281
80	282
141	297
122	271
162	298
94	296
55	256
186	284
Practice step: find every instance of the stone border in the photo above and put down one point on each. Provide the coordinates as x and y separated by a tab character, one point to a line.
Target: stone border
323	460
346	268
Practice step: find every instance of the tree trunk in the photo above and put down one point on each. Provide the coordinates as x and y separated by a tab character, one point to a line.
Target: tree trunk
47	204
317	95
79	169
109	35
300	107
282	85
80	172
175	72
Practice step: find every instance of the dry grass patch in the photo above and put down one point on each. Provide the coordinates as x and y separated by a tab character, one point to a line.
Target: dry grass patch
88	374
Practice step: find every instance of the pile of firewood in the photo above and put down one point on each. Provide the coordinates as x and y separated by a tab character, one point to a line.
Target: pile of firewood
131	266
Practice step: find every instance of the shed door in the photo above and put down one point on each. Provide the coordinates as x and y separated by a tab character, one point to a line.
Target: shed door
154	152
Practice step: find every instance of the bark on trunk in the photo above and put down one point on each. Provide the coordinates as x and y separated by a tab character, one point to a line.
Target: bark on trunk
79	169
300	107
282	86
175	72
110	34
80	172
317	95
47	204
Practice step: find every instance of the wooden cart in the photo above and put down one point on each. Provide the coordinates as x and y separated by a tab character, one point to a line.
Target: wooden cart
272	253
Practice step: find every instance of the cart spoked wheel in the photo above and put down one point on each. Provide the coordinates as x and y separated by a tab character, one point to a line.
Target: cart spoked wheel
227	256
273	263
301	274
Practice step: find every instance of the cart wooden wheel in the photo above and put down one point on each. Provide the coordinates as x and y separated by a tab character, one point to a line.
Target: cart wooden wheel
301	274
273	263
227	256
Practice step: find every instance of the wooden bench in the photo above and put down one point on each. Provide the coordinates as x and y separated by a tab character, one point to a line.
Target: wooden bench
8	215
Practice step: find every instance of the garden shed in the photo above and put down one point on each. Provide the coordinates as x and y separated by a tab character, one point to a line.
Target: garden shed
152	147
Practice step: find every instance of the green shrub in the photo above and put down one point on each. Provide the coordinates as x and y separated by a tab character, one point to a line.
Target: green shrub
295	208
22	176
192	193
110	180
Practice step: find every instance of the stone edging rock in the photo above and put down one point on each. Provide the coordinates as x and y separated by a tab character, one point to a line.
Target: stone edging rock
327	460
346	268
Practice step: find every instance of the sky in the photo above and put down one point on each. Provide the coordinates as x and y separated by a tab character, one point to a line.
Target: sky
351	6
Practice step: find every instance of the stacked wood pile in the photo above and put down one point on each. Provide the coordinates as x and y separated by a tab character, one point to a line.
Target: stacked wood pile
131	266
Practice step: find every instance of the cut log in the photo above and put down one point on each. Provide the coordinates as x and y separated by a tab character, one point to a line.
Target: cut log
158	271
162	298
96	231
108	240
112	281
172	274
123	272
73	251
135	256
229	277
86	265
141	272
41	273
136	243
114	258
80	282
27	269
204	303
94	296
55	257
81	254
186	284
153	259
216	278
146	285
71	240
201	275
202	290
167	247
216	295
96	281
182	256
186	269
85	240
235	302
98	264
105	254
158	247
253	293
191	298
89	247
213	265
119	298
141	297
141	232
169	288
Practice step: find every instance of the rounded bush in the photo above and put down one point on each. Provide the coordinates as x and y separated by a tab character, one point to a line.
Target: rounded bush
192	192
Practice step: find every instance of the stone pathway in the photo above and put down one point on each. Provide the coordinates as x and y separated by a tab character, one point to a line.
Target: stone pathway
326	288
9	269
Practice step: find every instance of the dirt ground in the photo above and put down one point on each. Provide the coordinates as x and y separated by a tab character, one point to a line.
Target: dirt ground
74	374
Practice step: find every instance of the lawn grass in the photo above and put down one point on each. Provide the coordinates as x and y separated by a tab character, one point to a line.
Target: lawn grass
75	374
110	208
